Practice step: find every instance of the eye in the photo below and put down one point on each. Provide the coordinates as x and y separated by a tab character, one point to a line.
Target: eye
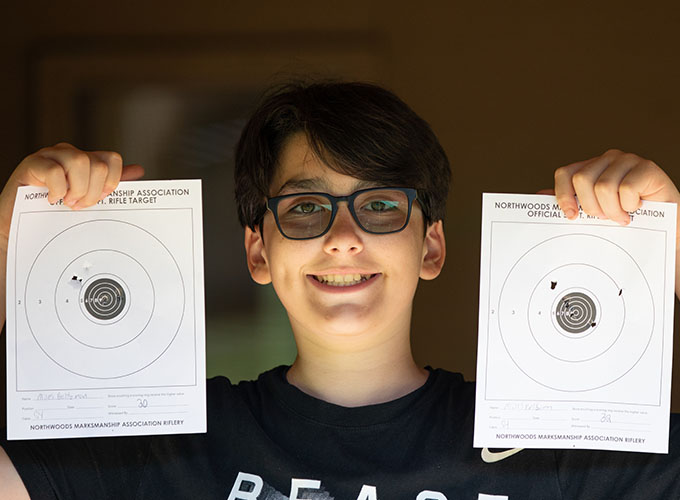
306	208
381	205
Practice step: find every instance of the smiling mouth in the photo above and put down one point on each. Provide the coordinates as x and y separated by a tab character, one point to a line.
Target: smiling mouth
342	279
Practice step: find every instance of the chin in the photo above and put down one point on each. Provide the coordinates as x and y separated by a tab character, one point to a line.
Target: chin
351	320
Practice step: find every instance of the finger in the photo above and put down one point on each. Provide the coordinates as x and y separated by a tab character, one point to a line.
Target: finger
33	170
36	170
564	189
55	181
546	191
98	173
629	193
114	164
585	178
127	173
76	165
132	172
647	181
607	186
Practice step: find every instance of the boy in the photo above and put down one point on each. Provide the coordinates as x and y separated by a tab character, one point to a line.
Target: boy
341	189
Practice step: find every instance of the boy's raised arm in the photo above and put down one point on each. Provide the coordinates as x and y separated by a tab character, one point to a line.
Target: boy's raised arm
81	178
613	184
11	486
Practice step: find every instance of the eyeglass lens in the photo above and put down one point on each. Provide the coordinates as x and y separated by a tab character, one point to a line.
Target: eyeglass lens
377	211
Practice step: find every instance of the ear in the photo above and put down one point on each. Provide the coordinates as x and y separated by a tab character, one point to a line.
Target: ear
434	251
258	265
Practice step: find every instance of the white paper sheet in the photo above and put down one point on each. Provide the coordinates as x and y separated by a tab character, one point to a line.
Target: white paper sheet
105	314
575	327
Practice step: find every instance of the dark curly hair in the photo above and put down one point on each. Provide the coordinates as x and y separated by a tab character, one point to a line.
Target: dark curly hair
358	129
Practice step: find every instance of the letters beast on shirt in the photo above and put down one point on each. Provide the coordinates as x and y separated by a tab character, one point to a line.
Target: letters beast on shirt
252	487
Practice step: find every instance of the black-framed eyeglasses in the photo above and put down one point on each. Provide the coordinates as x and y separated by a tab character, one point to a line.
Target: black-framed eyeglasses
379	210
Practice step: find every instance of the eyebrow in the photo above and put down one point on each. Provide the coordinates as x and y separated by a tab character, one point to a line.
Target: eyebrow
308	184
313	184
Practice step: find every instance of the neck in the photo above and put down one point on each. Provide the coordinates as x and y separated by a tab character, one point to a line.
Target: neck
357	377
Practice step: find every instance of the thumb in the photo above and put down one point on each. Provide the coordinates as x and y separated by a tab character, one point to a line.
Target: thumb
132	172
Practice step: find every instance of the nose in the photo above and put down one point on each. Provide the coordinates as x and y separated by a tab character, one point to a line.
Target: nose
344	236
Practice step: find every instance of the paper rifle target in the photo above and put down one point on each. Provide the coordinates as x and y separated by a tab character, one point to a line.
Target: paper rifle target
580	325
101	315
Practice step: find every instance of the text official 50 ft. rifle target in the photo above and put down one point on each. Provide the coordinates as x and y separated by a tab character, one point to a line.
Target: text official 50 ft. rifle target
106	329
575	327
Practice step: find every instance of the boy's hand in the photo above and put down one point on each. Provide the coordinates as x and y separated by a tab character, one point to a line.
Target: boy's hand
611	185
81	178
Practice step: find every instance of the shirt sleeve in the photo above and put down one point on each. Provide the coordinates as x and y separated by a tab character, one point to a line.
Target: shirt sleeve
622	475
102	468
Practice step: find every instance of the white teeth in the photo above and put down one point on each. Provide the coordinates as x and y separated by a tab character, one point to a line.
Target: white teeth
342	279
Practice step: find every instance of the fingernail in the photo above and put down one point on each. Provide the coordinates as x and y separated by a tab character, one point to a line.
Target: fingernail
70	203
570	213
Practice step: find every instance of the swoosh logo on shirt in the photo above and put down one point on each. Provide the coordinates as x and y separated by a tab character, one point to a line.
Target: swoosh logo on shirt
491	457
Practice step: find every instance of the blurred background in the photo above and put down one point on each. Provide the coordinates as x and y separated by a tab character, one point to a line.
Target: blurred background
512	89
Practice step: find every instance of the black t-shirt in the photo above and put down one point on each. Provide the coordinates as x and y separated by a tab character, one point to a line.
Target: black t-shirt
268	440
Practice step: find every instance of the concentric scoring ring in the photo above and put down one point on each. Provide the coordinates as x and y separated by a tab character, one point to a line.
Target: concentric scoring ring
104	298
116	346
576	312
546	352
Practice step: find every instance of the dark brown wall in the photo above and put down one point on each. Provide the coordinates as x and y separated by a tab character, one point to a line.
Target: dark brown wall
513	89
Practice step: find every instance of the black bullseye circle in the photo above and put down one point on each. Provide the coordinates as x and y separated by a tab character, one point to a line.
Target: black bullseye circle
104	299
576	312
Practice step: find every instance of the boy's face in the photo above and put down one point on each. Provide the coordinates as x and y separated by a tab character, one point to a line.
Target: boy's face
305	272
